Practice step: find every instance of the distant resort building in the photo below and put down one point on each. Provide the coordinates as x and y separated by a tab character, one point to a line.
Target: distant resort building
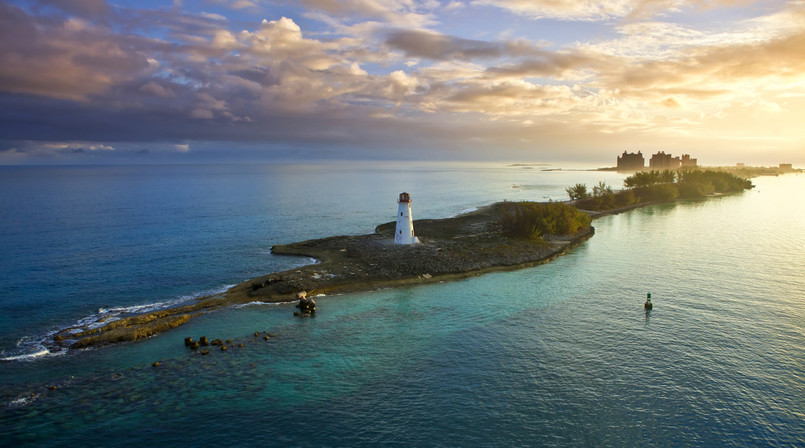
688	162
659	161
631	161
786	167
663	161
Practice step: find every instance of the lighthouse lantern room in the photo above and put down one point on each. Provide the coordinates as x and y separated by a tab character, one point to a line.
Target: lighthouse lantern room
404	232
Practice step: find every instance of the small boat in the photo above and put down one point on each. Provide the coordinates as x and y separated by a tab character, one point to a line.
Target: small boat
648	305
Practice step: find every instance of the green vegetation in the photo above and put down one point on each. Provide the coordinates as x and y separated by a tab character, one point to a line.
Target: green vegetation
531	220
701	183
754	171
603	198
578	191
659	186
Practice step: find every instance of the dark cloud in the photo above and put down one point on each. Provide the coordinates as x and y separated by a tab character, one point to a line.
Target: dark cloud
429	45
549	64
65	59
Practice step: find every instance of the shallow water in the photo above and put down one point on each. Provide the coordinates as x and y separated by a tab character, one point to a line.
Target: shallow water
558	355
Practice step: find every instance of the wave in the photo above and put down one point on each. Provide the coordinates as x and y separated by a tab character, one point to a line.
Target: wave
258	303
465	211
30	348
23	401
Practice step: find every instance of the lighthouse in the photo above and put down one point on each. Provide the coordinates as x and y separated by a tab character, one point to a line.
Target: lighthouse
404	232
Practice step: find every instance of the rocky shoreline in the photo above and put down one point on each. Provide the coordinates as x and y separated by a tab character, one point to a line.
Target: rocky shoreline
452	248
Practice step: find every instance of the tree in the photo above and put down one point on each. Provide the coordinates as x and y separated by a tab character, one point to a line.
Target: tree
578	191
667	176
601	190
531	220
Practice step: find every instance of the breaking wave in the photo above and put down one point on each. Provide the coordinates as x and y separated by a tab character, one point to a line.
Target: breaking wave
30	348
258	303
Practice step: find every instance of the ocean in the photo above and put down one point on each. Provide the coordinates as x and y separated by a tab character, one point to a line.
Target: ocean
561	354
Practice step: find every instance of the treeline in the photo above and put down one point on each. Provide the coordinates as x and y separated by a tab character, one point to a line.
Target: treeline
650	186
532	220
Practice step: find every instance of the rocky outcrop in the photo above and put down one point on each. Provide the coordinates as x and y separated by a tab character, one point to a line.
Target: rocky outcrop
451	248
306	305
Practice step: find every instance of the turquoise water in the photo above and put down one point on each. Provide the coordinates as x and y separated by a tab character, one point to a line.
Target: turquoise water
557	355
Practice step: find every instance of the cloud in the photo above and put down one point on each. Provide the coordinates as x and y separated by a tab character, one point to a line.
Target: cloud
354	77
202	114
589	10
453	5
431	45
400	13
65	59
723	69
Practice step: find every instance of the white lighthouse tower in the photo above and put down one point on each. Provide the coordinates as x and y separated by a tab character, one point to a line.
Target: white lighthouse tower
404	233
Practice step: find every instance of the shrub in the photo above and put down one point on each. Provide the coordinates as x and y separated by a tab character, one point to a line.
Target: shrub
625	197
659	192
531	220
578	191
721	182
693	190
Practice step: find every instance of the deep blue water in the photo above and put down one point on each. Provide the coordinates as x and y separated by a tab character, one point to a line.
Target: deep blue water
557	355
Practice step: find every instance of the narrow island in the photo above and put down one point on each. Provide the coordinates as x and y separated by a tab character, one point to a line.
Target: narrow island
501	236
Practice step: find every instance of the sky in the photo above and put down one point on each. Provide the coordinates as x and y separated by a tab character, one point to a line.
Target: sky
541	81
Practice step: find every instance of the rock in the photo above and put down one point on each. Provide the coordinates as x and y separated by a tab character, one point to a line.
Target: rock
240	345
306	305
194	345
205	352
267	338
296	313
256	334
229	341
217	342
203	340
223	348
156	364
188	341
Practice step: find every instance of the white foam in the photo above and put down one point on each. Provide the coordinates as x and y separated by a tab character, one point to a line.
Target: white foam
465	211
31	348
258	303
106	315
22	401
